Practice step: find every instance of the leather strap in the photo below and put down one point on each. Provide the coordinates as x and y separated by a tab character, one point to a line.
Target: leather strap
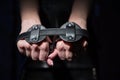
70	32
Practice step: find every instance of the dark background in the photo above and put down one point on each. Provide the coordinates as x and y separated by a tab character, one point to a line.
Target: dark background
104	45
6	40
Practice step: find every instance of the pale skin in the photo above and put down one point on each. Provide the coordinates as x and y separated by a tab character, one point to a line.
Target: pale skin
40	51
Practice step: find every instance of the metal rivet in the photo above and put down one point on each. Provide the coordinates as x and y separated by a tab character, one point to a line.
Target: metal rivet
35	27
70	25
34	39
70	38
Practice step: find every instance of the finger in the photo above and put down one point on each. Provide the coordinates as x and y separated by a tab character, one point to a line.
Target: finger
61	54
59	44
35	52
69	55
44	51
27	48
24	47
50	62
28	51
43	55
61	49
51	57
53	54
21	49
21	46
68	52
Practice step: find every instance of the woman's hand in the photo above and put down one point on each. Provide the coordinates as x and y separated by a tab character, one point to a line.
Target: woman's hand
37	51
64	50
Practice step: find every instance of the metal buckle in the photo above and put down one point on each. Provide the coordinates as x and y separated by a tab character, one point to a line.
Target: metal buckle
70	32
34	34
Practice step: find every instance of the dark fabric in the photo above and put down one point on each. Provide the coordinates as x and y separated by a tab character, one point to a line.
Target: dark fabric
58	74
80	68
54	13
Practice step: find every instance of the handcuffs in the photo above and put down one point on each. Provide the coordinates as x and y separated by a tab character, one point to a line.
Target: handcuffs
69	32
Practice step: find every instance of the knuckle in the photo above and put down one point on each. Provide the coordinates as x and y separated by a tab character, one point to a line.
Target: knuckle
27	46
45	43
59	48
43	48
21	49
34	45
19	42
59	43
68	47
19	45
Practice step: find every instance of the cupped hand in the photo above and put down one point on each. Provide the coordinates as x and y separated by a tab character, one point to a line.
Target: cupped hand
38	51
64	50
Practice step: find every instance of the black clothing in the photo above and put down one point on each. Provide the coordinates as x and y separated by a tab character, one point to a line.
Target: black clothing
52	10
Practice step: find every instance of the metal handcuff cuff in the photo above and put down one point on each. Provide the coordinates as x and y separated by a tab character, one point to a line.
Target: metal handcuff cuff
69	32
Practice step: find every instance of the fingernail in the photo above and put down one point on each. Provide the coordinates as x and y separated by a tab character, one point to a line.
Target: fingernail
85	44
51	63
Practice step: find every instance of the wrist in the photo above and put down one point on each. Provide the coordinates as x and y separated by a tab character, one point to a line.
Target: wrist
26	24
81	22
